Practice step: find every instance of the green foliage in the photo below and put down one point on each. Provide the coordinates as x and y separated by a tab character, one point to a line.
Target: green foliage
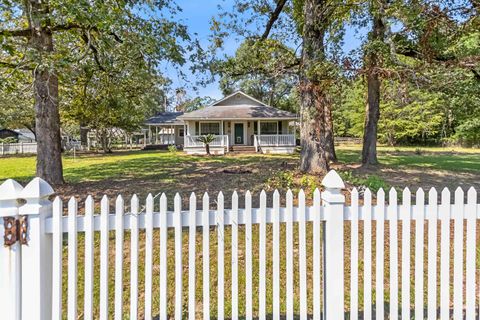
8	140
206	140
194	104
308	184
469	132
281	180
106	56
408	114
372	181
263	69
172	149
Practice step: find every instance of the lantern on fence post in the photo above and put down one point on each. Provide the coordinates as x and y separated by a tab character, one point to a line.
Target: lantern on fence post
37	253
333	202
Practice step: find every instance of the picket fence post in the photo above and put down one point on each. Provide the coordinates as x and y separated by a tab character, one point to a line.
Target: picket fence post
10	256
37	253
334	201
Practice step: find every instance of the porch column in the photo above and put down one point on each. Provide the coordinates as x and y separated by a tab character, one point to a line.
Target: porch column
144	139
277	135
259	132
172	128
295	133
184	134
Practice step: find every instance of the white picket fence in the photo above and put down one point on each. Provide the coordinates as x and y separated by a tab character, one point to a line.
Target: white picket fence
18	148
32	275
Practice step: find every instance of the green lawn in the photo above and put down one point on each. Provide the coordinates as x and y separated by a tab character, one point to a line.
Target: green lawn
452	159
141	164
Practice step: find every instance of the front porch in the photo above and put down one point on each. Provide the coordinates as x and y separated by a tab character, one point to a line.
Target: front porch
279	143
265	136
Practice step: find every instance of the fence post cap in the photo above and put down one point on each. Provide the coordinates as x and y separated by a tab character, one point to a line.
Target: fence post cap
10	190
333	186
333	181
37	189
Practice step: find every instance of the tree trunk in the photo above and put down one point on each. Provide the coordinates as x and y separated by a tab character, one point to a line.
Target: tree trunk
312	133
329	134
83	135
372	113
207	149
47	117
316	128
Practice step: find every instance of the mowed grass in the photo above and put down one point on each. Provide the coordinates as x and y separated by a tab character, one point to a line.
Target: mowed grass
151	164
125	165
451	159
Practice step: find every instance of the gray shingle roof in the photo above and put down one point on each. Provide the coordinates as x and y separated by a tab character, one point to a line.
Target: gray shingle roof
238	112
165	118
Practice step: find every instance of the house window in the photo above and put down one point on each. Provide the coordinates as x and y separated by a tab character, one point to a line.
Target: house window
181	132
268	127
210	128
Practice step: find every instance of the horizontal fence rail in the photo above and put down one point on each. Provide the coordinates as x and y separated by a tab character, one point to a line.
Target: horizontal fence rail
382	256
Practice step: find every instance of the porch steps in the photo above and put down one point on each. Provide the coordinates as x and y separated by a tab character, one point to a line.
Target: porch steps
242	149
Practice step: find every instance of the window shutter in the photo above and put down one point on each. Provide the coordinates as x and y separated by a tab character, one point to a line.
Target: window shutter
255	127
197	127
279	127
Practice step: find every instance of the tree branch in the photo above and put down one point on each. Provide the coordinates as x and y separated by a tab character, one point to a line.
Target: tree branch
4	64
16	33
94	51
273	17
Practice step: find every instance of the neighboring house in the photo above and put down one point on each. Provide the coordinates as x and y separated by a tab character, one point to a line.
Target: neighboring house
25	135
19	135
238	121
7	133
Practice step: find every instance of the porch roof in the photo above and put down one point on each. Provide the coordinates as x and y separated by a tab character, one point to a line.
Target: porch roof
241	111
165	118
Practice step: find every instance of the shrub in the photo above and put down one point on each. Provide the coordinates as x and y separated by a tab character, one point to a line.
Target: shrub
373	182
468	132
8	140
281	180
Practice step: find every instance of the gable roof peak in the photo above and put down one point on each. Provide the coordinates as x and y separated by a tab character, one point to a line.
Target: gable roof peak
236	93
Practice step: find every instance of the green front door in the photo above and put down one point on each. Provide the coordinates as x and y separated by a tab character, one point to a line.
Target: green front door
239	133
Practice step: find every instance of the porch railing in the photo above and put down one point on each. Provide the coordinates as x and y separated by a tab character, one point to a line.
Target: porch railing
220	141
275	140
163	139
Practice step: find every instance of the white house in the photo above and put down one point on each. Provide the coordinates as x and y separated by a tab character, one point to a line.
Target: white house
238	121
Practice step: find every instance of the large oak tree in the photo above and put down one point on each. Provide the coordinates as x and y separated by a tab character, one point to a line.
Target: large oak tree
47	39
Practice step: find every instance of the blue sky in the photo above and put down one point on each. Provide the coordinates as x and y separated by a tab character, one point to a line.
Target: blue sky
197	15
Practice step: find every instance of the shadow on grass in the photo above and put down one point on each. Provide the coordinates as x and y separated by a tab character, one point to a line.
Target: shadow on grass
454	161
151	167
